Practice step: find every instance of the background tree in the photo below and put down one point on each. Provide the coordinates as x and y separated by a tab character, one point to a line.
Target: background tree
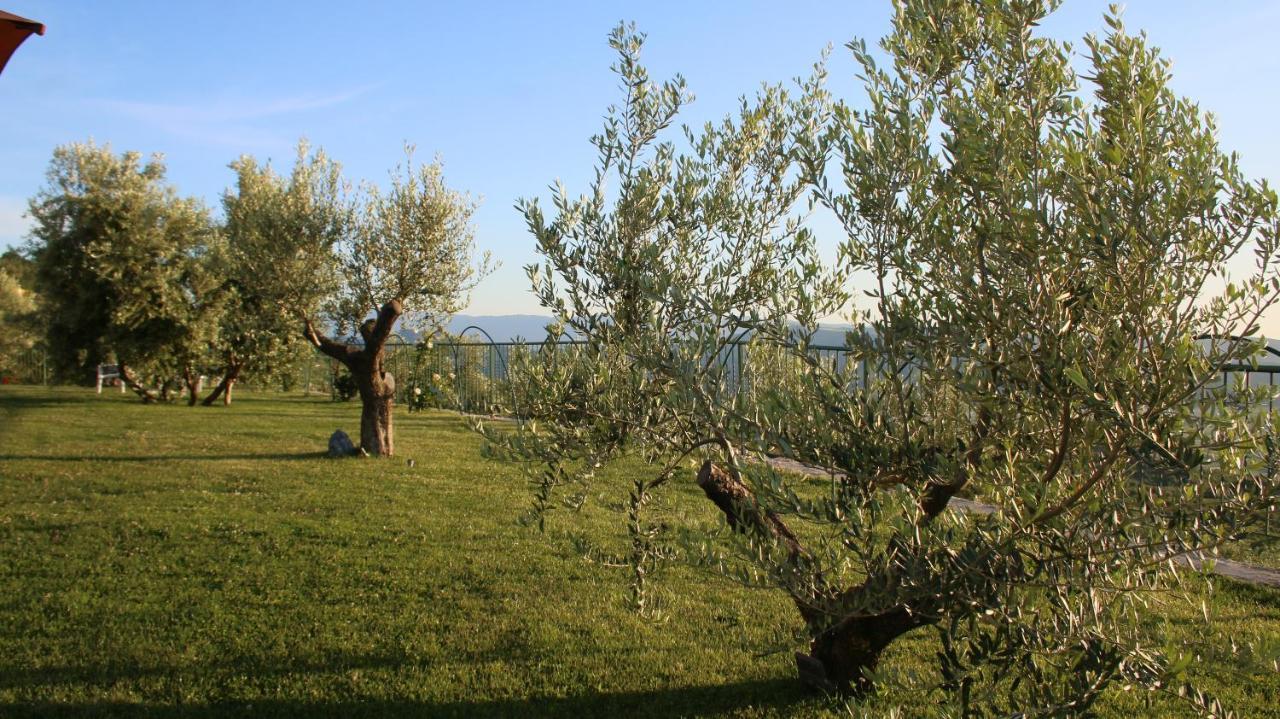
118	253
17	309
279	262
19	267
201	314
1039	269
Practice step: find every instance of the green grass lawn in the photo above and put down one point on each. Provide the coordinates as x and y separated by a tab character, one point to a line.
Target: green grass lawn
162	561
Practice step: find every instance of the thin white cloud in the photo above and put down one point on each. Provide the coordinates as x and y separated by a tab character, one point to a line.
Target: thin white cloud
232	110
229	121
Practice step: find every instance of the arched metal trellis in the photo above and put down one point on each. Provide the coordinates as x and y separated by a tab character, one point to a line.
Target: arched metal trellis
492	352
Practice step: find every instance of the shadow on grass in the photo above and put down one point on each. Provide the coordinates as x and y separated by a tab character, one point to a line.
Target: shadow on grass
676	702
160	458
1251	594
33	400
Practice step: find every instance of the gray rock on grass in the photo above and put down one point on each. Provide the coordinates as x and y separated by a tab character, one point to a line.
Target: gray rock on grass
340	445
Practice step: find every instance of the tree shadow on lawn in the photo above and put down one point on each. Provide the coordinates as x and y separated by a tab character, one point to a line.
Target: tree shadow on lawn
11	401
712	699
1250	596
769	694
160	458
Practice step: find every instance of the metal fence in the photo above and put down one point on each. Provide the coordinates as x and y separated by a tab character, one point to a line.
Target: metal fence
29	367
460	375
473	375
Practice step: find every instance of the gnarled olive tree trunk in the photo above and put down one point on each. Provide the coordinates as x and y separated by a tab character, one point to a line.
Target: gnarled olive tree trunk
134	383
223	389
191	380
377	386
848	639
377	393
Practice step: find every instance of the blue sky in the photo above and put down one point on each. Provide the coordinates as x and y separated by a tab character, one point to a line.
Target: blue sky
505	93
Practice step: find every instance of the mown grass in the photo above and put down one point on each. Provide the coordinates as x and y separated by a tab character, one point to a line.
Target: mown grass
166	561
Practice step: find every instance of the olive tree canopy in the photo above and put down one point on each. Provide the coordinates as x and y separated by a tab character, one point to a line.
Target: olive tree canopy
279	262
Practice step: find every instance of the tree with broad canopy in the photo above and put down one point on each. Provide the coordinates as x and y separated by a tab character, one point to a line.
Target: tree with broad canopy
121	274
278	261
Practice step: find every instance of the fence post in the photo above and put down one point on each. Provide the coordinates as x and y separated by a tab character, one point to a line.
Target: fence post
488	388
742	372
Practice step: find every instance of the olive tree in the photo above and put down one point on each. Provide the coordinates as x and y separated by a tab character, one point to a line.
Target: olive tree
201	312
255	339
1039	280
357	265
279	262
1046	256
411	251
119	267
668	261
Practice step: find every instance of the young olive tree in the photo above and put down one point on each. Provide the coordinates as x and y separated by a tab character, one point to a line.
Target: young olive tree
1040	278
1041	253
667	263
120	267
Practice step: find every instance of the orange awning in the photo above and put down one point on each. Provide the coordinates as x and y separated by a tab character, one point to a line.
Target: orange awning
13	30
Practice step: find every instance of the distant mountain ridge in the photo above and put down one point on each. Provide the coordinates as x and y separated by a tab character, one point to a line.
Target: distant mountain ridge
502	328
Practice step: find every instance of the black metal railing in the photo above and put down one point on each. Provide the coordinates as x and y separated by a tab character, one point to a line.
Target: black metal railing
28	367
472	374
